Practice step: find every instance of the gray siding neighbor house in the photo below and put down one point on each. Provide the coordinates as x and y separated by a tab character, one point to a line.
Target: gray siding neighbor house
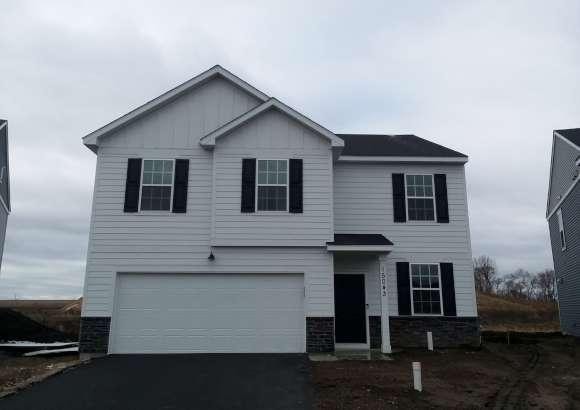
563	215
225	221
4	184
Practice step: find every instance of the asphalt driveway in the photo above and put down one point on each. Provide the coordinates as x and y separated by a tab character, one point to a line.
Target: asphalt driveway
174	382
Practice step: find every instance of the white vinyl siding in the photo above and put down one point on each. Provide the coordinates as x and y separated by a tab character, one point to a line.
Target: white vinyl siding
363	203
180	243
272	135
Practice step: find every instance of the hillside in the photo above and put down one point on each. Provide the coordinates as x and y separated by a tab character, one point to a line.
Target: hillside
16	326
61	315
503	313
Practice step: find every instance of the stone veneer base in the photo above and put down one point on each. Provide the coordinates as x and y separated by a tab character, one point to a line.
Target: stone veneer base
411	331
319	334
94	335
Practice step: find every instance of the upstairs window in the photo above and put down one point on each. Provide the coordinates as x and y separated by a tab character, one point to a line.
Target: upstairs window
425	289
157	185
272	185
420	198
561	229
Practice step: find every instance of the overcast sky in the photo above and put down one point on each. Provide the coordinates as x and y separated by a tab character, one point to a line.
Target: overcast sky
490	79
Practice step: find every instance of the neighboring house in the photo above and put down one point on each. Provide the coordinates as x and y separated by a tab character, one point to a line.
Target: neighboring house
225	221
4	184
563	215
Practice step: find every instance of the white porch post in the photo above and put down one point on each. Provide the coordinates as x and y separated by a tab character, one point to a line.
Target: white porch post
385	330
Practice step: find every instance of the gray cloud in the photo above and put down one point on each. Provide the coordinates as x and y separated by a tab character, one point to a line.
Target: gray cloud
491	79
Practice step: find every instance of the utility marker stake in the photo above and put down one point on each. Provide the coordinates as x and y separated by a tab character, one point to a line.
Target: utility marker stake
430	341
417	376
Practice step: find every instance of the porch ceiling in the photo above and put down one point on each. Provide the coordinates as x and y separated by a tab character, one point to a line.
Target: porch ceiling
359	243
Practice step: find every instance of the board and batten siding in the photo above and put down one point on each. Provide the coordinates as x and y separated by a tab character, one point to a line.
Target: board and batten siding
363	203
563	170
567	262
160	242
273	135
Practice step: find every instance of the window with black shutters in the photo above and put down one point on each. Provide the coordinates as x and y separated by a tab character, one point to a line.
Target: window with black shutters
420	197
157	184
272	185
425	289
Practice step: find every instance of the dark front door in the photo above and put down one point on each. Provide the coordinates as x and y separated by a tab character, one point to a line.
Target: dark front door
350	309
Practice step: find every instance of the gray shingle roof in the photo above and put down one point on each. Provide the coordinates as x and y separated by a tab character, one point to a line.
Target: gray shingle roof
393	146
571	134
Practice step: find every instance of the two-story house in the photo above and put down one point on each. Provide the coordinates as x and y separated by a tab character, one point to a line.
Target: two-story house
225	221
563	215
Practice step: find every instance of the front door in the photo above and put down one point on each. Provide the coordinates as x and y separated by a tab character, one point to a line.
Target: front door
350	309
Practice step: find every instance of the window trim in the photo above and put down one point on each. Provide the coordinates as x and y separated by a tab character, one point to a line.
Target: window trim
287	185
429	221
141	185
439	288
561	231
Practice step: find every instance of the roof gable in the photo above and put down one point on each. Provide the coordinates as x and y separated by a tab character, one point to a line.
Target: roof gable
572	135
208	141
564	168
91	140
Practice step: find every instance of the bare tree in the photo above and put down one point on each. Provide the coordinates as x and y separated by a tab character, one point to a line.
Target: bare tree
497	284
518	284
546	285
485	271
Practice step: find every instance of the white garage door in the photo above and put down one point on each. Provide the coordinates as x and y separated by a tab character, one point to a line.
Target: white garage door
193	313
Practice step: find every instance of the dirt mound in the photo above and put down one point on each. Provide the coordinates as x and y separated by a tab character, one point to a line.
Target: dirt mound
510	314
16	326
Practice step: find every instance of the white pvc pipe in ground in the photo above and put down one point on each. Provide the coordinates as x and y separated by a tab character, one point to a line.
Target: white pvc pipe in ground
417	376
430	341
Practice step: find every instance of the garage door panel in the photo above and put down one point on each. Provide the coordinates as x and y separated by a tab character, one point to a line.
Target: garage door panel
169	313
279	298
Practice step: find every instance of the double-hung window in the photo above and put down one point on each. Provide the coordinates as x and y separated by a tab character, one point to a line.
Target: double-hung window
425	289
157	184
420	198
561	229
272	185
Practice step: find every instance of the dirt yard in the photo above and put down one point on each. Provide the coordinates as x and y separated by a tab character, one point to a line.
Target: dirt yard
539	375
17	370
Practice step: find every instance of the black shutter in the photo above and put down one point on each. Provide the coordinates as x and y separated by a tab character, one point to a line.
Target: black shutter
132	185
441	198
180	185
399	207
448	289
403	288
248	184
295	180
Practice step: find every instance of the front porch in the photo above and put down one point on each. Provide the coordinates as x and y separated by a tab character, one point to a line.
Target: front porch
373	301
360	292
